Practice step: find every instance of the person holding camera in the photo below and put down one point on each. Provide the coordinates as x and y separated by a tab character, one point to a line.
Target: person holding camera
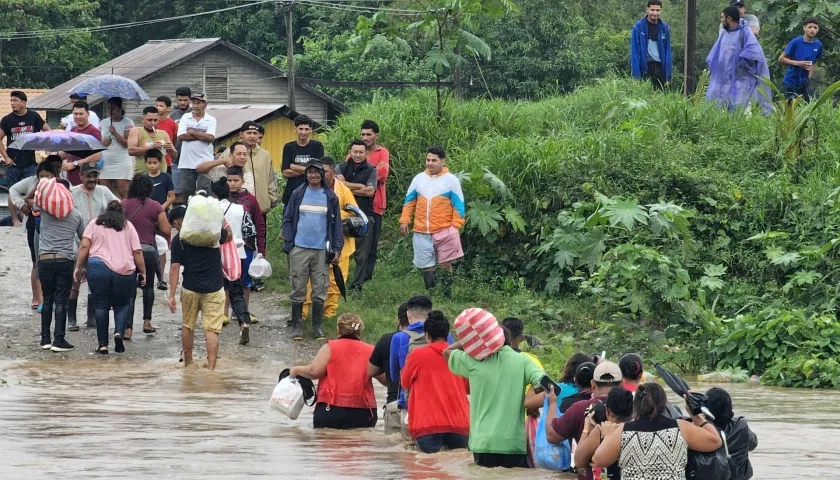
607	376
617	410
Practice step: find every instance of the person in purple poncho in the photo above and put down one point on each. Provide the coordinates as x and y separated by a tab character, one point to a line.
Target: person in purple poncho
737	64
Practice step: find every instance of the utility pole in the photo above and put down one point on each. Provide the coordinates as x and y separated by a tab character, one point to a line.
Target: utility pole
287	7
690	46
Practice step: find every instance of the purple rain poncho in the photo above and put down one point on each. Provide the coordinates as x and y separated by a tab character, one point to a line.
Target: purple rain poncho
734	62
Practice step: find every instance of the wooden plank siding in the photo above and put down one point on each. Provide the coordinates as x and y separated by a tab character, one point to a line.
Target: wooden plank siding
279	131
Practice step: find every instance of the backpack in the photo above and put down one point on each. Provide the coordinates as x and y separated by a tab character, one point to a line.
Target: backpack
416	340
709	465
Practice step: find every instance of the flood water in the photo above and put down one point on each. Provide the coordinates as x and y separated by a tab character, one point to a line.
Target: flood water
127	419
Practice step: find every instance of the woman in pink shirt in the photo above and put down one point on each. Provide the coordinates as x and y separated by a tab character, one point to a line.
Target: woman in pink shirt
113	260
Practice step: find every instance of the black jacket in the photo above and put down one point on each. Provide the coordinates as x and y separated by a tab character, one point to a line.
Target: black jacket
741	441
291	215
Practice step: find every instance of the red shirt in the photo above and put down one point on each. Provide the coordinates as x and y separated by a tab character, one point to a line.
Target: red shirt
171	128
437	401
75	176
379	158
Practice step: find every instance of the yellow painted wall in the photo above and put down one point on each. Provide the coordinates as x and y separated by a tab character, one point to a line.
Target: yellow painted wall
278	132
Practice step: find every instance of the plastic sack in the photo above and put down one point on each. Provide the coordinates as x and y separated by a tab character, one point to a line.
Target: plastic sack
479	333
202	225
53	198
547	455
287	398
231	263
260	268
709	465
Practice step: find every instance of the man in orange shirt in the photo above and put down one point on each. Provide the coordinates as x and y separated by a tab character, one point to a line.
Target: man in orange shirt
165	123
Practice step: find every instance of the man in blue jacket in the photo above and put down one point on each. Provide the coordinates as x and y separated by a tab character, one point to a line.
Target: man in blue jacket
650	47
313	238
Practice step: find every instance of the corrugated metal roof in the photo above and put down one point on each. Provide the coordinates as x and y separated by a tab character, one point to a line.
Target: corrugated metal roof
137	64
230	117
31	94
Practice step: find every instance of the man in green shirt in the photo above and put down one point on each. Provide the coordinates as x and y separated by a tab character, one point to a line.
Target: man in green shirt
497	396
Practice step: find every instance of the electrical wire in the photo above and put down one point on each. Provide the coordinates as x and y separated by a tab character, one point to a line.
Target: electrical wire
33	34
359	8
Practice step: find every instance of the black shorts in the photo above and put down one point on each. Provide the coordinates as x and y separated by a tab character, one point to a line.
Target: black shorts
343	418
493	460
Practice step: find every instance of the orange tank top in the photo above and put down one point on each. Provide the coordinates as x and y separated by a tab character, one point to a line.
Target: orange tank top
347	383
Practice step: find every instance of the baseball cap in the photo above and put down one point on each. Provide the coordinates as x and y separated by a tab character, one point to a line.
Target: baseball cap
88	168
250	125
198	96
607	372
737	3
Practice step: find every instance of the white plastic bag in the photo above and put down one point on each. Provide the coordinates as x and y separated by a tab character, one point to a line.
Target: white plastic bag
287	398
162	245
202	225
260	268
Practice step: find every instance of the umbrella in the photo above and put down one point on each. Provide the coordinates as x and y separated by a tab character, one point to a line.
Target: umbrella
696	401
339	277
82	145
110	86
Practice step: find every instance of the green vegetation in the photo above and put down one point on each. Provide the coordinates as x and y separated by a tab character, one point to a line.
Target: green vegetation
621	219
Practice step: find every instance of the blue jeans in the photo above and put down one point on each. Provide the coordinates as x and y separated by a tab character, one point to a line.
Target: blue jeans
110	290
176	177
433	443
16	174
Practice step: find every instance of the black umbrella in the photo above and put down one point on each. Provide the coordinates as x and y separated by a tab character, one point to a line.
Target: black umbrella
339	277
695	401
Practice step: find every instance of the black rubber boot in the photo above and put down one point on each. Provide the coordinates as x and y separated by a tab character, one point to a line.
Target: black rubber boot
318	320
297	321
446	280
91	312
430	279
71	315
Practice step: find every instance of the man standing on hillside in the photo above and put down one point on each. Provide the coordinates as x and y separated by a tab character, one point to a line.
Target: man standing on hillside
21	122
800	56
297	154
378	156
165	123
361	178
747	19
436	202
197	132
650	47
737	64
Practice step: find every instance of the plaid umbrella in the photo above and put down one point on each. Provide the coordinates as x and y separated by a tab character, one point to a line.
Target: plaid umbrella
82	145
110	86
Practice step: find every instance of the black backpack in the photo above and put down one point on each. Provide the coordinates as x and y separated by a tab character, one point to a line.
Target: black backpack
709	465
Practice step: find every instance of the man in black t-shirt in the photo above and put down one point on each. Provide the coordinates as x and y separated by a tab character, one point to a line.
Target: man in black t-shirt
21	122
361	178
379	363
203	290
296	155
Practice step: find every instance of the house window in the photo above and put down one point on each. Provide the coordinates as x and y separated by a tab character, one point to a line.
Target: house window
216	82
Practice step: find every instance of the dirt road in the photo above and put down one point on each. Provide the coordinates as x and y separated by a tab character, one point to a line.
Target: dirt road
20	325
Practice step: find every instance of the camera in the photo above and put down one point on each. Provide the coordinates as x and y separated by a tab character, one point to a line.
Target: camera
600	412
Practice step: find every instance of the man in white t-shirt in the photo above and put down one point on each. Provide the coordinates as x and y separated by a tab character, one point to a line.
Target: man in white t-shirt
67	122
197	132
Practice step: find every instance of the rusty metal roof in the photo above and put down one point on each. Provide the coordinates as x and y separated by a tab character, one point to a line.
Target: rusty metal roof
149	59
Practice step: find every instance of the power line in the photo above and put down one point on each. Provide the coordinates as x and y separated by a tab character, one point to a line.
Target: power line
359	8
33	34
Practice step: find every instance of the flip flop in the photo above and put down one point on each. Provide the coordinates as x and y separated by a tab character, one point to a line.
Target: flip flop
34	306
40	308
149	330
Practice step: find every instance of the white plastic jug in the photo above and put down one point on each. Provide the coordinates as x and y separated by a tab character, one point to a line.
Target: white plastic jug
287	398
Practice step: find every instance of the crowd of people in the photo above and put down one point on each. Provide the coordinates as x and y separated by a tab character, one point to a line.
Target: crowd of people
614	419
737	65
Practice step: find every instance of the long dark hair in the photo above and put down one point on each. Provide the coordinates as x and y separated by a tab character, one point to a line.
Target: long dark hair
720	404
141	187
113	217
650	400
571	367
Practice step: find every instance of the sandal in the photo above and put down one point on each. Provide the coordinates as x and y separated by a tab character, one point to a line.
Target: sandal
149	330
34	305
130	332
102	350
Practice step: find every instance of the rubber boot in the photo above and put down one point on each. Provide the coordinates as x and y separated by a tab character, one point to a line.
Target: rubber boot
318	320
91	312
297	321
446	280
430	279
71	315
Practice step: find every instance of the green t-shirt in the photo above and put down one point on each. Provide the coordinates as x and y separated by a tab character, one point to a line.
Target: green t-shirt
497	394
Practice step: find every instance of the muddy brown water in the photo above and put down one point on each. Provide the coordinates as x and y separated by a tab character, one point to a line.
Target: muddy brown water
73	419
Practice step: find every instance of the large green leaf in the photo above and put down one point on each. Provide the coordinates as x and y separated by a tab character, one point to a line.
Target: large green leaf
496	183
514	219
625	212
485	216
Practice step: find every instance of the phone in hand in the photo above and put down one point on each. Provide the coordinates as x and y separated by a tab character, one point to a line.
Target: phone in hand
546	382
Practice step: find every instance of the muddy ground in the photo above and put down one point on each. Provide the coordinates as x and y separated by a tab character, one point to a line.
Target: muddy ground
20	325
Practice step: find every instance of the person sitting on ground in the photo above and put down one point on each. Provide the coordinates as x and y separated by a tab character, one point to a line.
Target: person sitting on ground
654	445
345	391
583	380
438	411
740	439
570	425
619	408
497	411
379	363
631	371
